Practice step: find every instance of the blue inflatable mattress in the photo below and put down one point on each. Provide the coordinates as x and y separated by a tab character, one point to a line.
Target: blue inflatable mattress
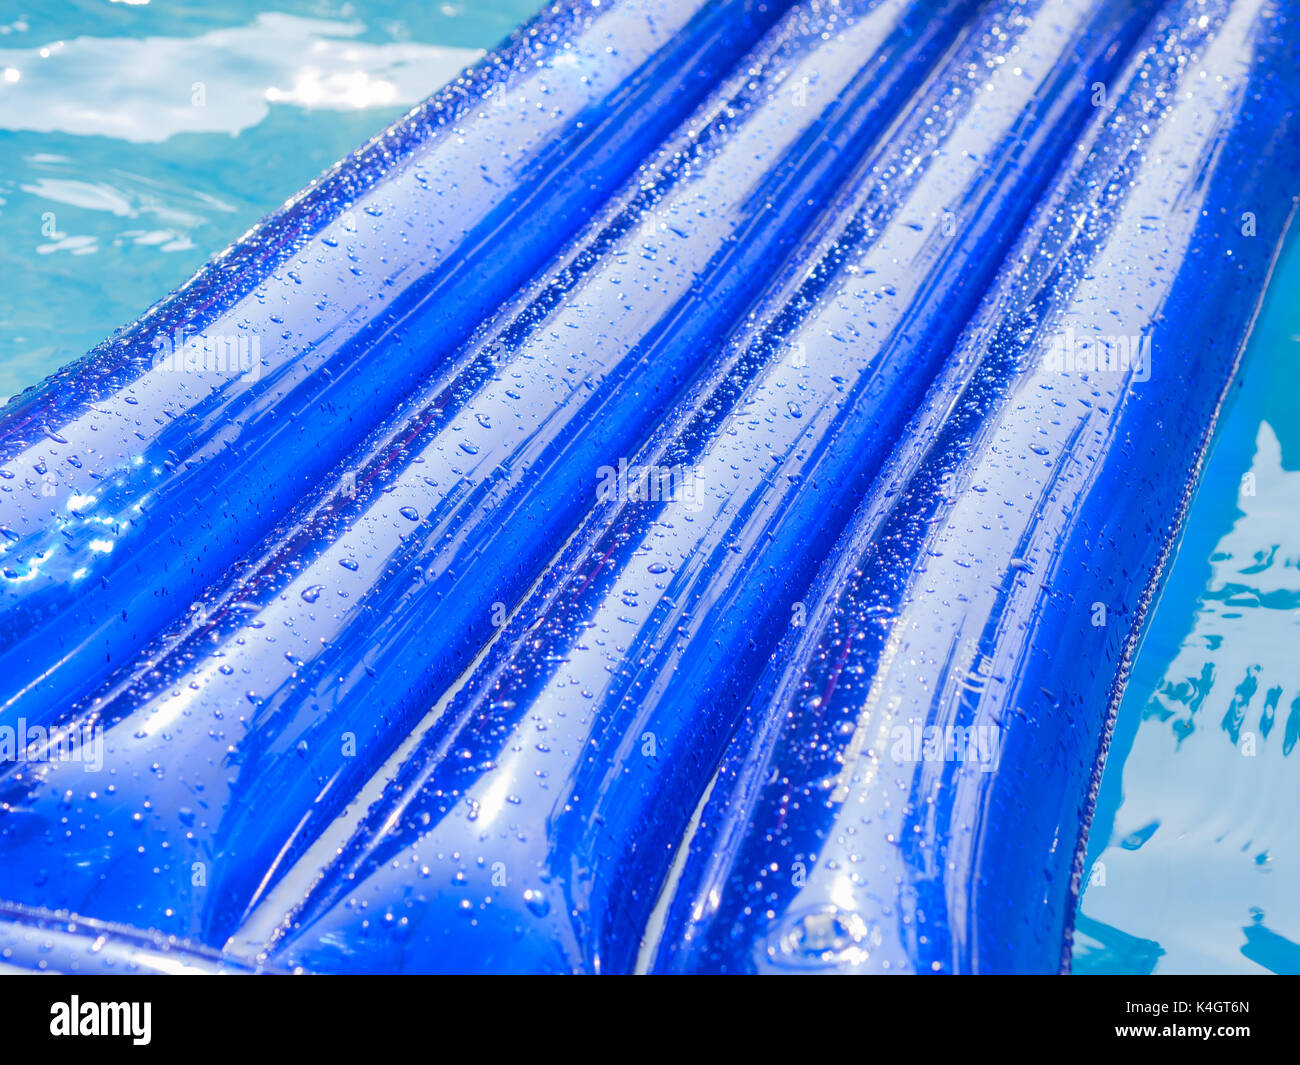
683	499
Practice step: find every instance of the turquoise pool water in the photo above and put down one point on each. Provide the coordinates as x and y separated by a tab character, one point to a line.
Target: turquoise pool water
1194	857
137	139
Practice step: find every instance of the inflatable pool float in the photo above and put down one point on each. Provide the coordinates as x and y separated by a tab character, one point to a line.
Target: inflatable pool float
683	499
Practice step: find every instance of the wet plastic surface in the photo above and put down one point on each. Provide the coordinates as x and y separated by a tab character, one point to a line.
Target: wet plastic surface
913	795
141	473
586	572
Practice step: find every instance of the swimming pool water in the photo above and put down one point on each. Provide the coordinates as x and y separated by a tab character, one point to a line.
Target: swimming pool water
1194	859
137	139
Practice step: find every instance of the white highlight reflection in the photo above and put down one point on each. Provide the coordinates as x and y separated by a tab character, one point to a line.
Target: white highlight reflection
224	81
